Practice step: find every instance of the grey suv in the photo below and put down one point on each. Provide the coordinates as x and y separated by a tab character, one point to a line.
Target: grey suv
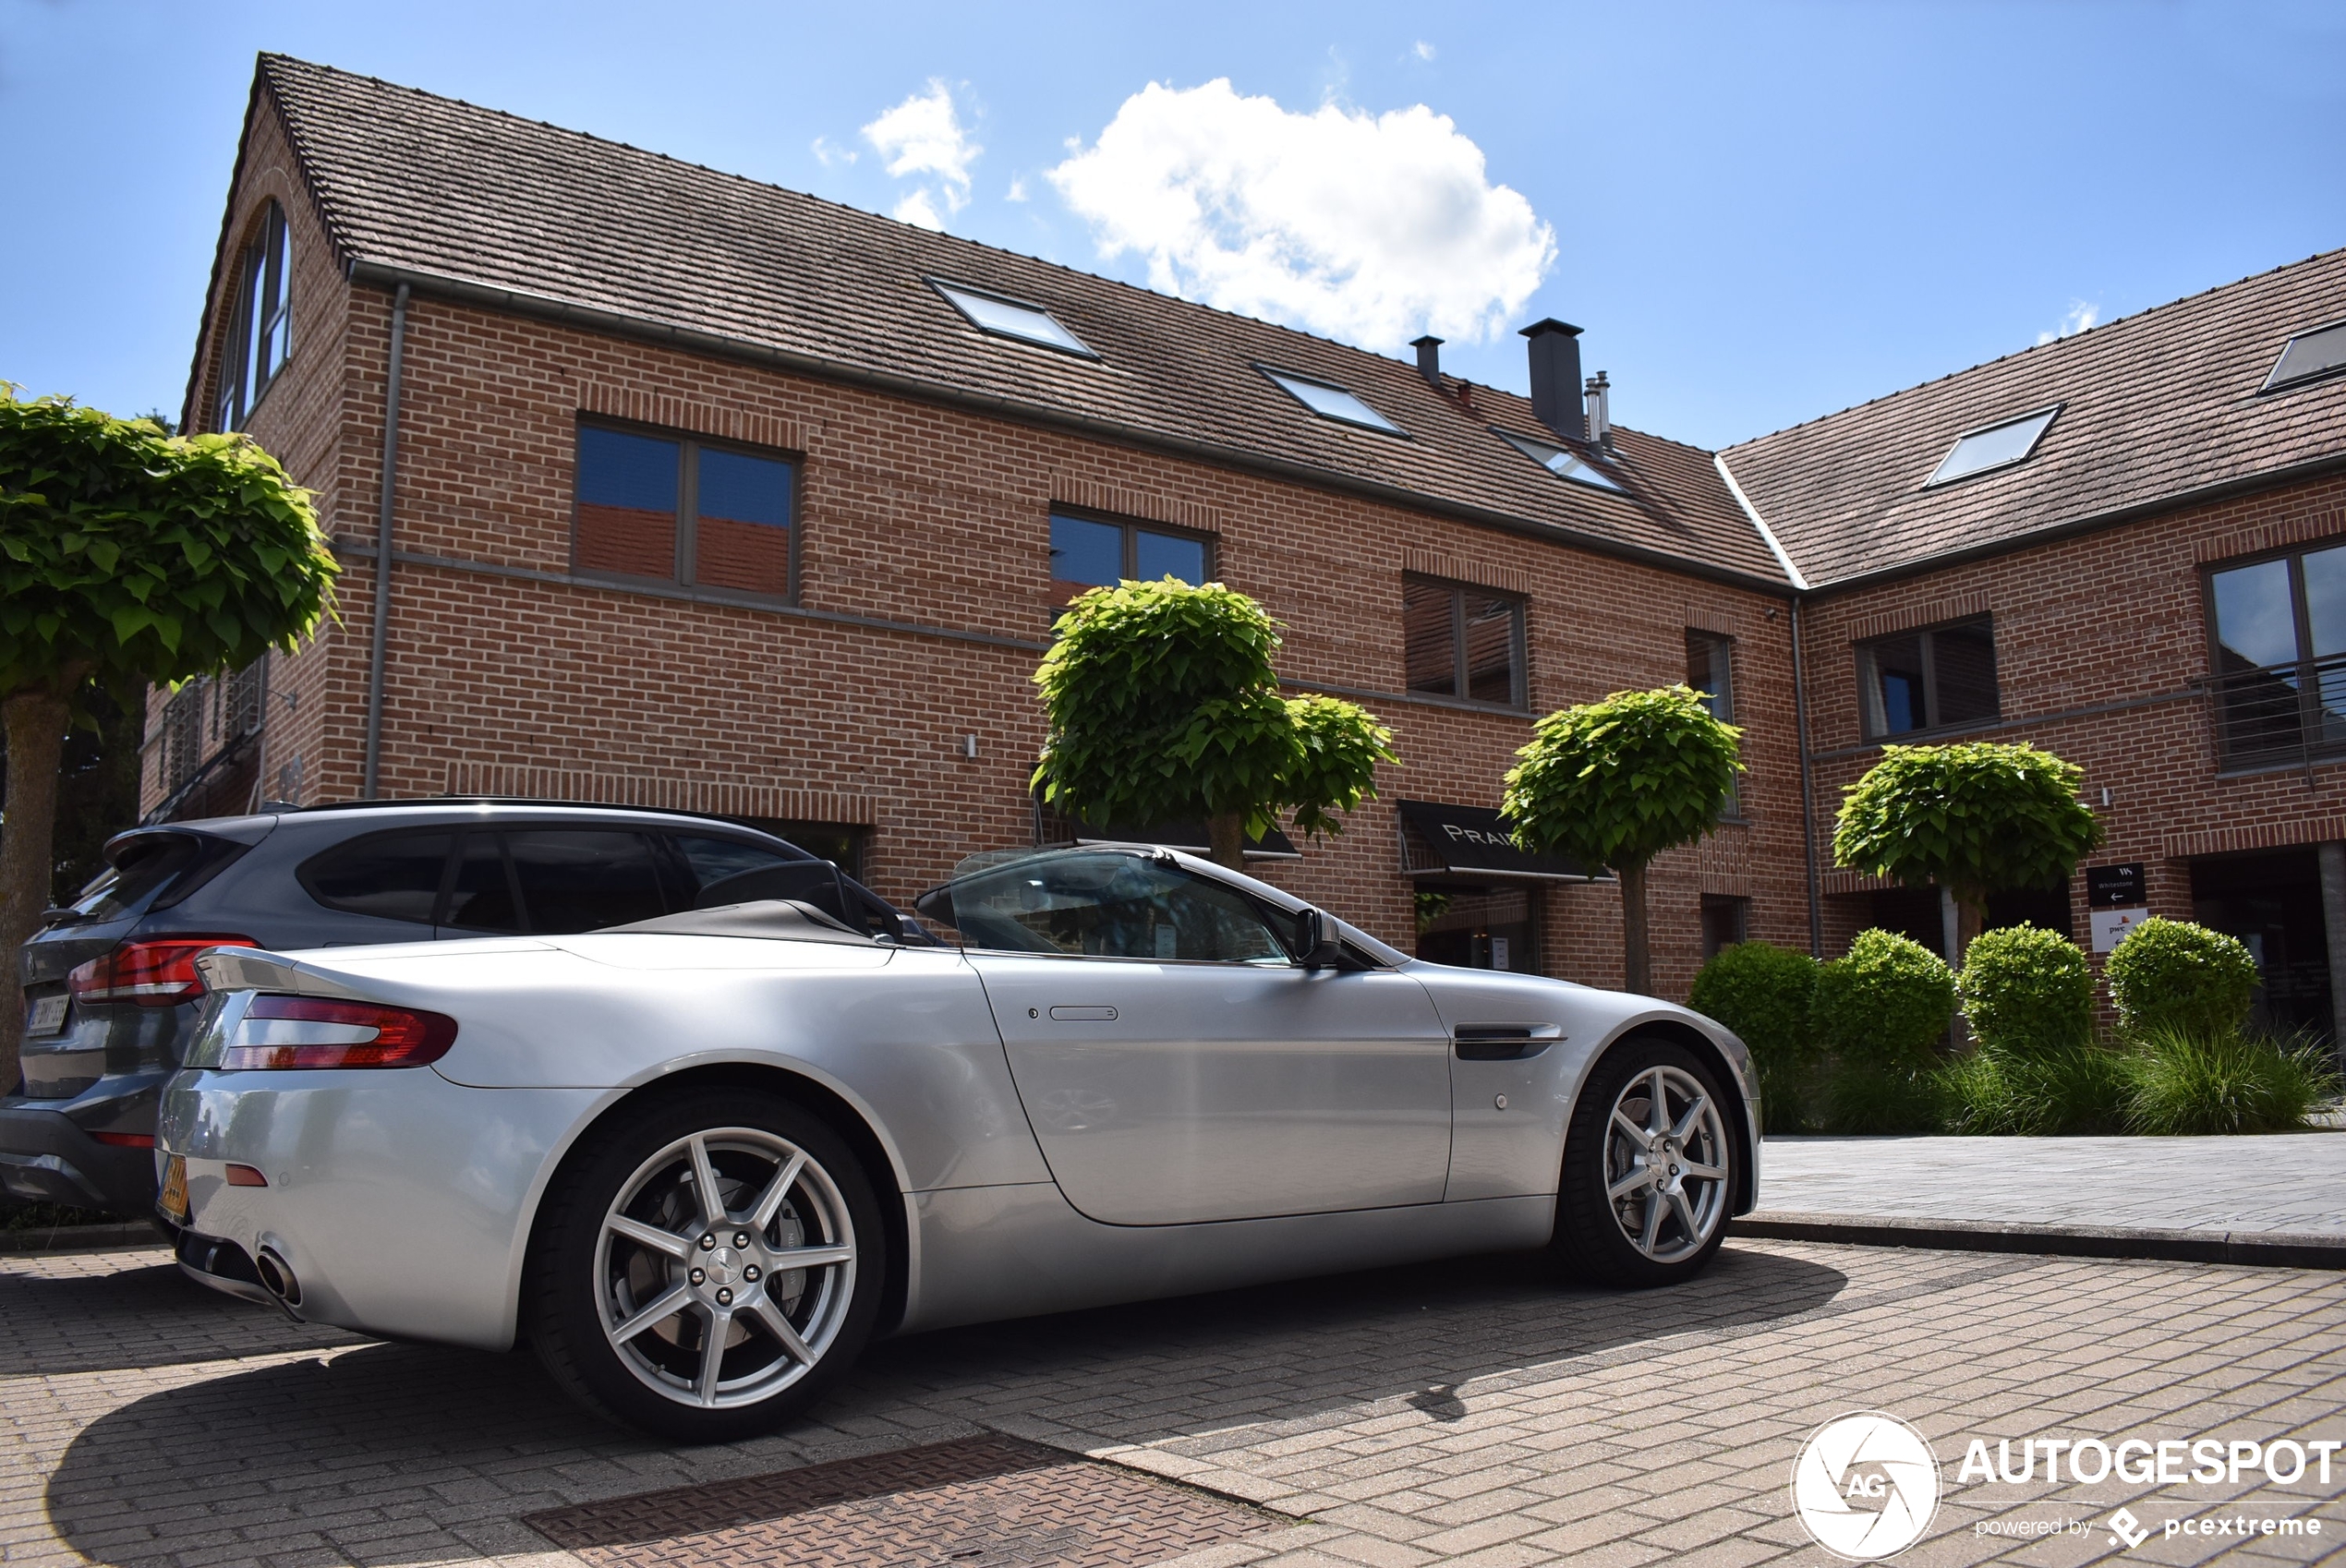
111	990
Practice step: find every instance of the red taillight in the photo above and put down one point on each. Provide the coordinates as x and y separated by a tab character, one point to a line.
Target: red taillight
125	1140
315	1032
158	974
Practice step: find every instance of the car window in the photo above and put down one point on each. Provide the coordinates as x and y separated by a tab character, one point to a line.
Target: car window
390	876
1112	906
585	878
482	897
146	866
711	861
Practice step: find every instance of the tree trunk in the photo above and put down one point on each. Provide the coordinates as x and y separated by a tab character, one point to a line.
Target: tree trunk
36	726
1971	918
1227	834
1636	964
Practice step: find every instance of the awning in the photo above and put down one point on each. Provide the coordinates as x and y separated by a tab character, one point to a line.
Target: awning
1444	840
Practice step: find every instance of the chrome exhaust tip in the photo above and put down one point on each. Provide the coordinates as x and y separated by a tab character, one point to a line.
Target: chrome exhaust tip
277	1276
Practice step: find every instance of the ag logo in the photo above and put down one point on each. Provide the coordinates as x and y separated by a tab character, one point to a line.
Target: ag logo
1866	1486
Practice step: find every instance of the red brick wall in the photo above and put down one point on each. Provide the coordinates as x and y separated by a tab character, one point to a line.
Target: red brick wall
2099	621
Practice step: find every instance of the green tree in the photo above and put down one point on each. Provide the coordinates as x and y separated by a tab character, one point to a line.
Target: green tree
1976	818
1615	783
1164	707
126	557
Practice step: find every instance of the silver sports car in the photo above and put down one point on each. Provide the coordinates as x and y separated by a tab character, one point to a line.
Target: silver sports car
698	1161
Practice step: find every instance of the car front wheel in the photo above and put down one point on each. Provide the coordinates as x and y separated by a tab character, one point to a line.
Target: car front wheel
706	1269
1649	1167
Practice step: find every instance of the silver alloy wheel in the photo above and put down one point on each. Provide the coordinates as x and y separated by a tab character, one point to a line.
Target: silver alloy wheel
1665	1164
724	1268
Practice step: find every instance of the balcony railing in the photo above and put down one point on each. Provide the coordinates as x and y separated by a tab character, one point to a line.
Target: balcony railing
2280	715
204	724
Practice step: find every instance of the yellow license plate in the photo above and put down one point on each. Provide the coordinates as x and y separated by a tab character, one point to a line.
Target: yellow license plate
175	1189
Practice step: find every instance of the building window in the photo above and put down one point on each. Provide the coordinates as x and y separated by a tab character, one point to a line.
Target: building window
1007	318
1088	554
1994	446
1710	670
2308	356
260	322
1934	680
674	509
1461	642
1726	922
1330	402
1557	459
2280	655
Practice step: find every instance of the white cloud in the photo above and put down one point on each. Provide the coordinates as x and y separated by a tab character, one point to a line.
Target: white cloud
1018	188
828	152
1370	228
923	139
2081	317
1421	48
918	210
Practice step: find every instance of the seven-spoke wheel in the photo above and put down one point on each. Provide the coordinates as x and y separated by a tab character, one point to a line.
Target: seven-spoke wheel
1648	1165
723	1253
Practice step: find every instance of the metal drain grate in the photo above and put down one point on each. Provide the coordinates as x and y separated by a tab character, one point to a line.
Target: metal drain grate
980	1503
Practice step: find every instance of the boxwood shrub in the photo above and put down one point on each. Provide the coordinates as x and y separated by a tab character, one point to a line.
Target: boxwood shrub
2170	976
1886	1002
1762	992
2026	992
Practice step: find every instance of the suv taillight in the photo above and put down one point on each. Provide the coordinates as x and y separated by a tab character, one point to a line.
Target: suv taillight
316	1031
156	973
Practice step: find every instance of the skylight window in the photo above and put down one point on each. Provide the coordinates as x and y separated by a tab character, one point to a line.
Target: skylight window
990	313
2309	354
1997	446
1560	462
1334	403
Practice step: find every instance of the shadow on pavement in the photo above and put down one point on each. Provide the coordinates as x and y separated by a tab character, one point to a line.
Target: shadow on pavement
148	1314
402	1427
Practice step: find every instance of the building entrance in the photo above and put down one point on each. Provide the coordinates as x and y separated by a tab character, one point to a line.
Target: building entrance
2272	902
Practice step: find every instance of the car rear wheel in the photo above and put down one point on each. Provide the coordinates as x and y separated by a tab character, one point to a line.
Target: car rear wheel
1649	1166
708	1268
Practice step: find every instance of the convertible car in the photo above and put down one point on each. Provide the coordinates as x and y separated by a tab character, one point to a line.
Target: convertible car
699	1161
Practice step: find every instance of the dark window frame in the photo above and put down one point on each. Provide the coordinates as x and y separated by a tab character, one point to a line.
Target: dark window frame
2050	413
265	262
1863	651
690	444
1133	528
945	288
2304	669
1279	375
1520	646
1723	651
2274	382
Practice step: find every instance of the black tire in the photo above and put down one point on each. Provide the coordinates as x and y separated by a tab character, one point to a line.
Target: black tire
1593	1233
576	1287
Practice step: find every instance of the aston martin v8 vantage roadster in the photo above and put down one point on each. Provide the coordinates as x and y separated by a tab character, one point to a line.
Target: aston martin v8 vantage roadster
698	1161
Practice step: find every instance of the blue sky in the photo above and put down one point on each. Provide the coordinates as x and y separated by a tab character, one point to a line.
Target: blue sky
1761	213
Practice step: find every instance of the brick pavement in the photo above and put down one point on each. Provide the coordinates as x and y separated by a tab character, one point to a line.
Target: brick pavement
1478	1413
2286	1182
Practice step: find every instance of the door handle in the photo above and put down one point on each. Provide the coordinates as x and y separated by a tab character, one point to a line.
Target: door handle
1083	1014
1503	1042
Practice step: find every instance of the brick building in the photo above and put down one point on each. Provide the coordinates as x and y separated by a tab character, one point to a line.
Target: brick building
2122	546
708	494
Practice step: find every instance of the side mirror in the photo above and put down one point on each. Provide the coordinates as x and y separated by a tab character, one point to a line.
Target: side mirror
1320	950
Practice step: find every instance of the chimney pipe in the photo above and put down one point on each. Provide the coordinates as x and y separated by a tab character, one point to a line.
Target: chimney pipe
1600	410
1555	376
1429	349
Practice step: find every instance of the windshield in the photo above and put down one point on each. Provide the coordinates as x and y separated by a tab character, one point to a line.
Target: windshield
1096	903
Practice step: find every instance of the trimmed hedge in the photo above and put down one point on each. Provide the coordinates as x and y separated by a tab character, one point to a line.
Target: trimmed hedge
1762	992
2170	976
2026	992
1885	1004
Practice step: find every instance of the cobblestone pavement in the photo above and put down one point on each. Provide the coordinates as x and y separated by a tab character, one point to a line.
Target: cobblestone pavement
1479	1413
2285	1182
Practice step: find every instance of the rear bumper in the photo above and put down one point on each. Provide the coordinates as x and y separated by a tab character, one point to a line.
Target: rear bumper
46	1156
